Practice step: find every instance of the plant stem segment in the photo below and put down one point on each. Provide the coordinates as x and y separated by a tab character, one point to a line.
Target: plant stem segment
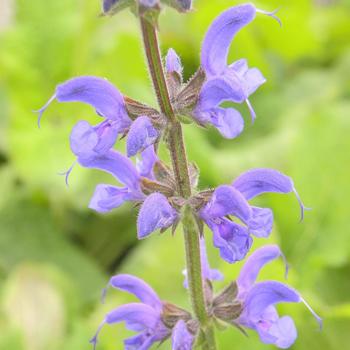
180	167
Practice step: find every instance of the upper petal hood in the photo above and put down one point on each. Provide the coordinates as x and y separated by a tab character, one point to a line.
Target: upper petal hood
97	92
137	287
257	181
250	270
117	165
218	38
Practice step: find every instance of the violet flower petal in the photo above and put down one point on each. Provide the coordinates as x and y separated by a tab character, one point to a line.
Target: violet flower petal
138	287
228	121
260	225
136	316
181	338
107	197
87	141
265	294
220	89
117	165
141	135
155	213
97	92
251	78
141	341
250	270
232	240
173	62
218	38
227	201
257	181
145	165
282	332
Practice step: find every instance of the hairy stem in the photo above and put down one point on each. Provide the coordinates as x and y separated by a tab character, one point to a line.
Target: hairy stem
180	167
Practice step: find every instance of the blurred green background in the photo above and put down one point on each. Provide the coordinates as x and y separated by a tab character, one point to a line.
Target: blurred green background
56	255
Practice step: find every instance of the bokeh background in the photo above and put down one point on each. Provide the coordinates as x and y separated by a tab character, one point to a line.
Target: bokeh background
56	255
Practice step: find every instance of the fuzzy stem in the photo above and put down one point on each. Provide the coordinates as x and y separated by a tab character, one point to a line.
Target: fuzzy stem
180	167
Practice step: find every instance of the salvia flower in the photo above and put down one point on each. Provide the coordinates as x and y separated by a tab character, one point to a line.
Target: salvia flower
147	317
232	238
259	299
103	96
90	141
234	82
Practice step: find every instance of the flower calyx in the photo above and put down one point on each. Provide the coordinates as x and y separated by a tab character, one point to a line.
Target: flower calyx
172	314
188	97
225	307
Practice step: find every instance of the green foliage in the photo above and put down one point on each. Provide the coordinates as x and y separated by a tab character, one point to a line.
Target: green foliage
54	248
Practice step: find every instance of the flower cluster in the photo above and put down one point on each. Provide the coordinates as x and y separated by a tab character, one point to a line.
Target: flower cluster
245	303
153	319
151	184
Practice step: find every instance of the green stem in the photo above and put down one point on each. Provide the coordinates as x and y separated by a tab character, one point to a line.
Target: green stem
181	172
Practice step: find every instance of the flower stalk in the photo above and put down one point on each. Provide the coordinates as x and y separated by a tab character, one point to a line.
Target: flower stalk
181	172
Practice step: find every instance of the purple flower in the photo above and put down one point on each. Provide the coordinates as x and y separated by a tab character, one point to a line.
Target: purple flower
234	82
97	92
145	318
181	338
155	213
108	197
234	239
259	300
254	182
207	272
86	140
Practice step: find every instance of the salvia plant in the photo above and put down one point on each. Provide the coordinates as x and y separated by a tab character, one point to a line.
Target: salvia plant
168	195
